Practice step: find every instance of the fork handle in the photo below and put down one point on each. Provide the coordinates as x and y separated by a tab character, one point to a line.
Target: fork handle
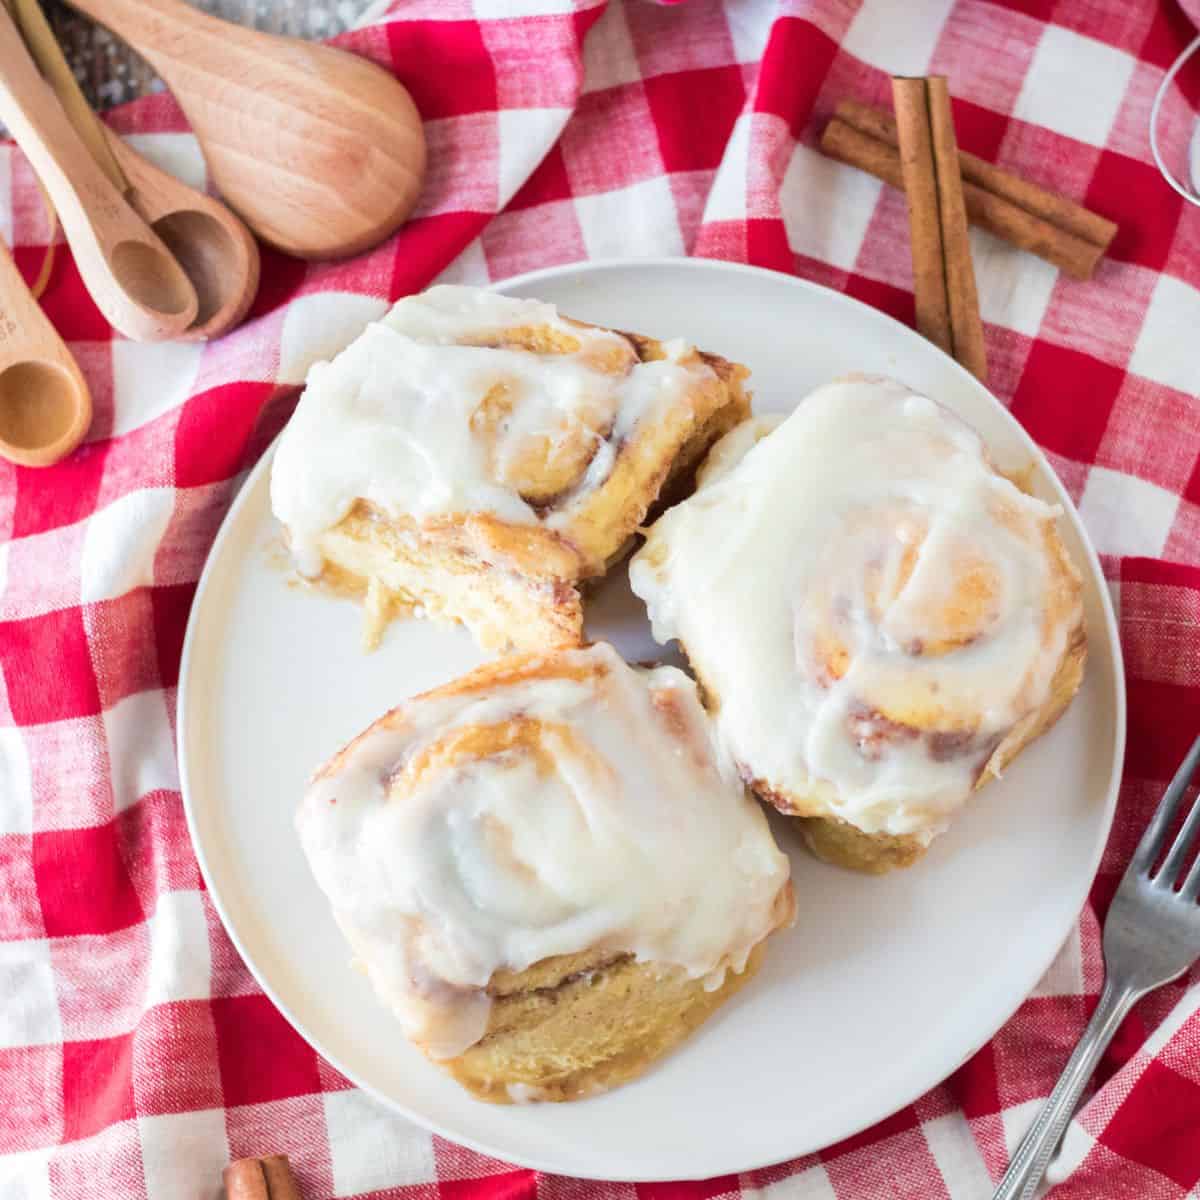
1037	1147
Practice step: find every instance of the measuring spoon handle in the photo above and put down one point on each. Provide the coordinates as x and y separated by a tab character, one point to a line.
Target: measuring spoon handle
131	275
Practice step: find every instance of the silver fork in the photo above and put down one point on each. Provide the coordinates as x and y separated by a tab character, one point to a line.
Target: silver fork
1152	936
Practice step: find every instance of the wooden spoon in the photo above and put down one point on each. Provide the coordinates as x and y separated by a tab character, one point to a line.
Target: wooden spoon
215	249
321	152
131	275
45	405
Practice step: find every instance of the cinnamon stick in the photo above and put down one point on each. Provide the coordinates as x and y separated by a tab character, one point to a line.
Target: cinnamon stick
1030	217
943	274
267	1178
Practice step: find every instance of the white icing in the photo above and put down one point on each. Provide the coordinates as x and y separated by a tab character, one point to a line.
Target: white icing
389	419
803	535
625	832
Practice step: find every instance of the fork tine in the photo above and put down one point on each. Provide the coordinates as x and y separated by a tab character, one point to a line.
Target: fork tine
1164	815
1173	865
1191	885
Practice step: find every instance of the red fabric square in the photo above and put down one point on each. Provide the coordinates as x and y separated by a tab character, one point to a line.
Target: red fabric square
1116	22
1162	727
1183	542
1159	1125
76	484
782	88
82	882
213	430
974	1085
20	912
193	524
445	65
141	458
262	1057
497	1185
122	636
48	668
1065	398
295	1127
154	842
428	245
31	1084
170	606
66	300
905	1167
547	183
896	302
686	141
1120	190
281	277
979	130
620	116
97	1085
175	1066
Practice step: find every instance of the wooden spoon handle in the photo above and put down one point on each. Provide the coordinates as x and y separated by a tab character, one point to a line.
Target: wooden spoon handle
131	275
45	405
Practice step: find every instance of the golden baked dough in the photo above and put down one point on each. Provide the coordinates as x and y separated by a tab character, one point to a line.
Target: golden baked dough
528	449
879	620
546	870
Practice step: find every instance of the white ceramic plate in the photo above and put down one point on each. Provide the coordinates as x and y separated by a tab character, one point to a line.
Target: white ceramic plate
883	987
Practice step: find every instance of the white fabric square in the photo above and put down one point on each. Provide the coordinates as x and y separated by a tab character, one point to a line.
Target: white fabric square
1014	287
727	196
141	748
149	379
486	9
956	1153
1074	85
1076	1145
900	38
470	267
121	541
1126	515
525	136
316	327
371	1148
827	207
1016	1120
25	1176
750	23
1166	346
183	1154
16	784
180	959
29	1013
176	153
638	221
609	58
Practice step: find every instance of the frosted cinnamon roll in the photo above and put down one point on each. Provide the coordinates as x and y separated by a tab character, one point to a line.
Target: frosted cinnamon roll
474	457
547	869
879	620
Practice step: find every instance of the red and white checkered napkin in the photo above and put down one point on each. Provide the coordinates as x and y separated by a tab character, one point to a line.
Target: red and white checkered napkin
136	1054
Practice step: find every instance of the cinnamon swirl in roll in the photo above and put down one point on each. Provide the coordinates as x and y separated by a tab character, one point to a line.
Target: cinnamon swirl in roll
474	457
880	621
547	869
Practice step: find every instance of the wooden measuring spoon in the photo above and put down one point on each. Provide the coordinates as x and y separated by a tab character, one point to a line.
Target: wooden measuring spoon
321	152
45	405
216	250
131	275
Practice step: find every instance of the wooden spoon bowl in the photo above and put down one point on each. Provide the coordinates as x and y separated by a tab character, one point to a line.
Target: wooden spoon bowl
319	151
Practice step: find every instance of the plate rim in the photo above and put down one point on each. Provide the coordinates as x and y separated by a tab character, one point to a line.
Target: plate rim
598	266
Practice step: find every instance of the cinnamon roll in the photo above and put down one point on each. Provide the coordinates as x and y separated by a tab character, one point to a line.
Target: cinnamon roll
475	457
880	621
547	869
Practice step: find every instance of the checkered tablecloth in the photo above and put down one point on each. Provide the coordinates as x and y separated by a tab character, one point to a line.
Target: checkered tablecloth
137	1055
